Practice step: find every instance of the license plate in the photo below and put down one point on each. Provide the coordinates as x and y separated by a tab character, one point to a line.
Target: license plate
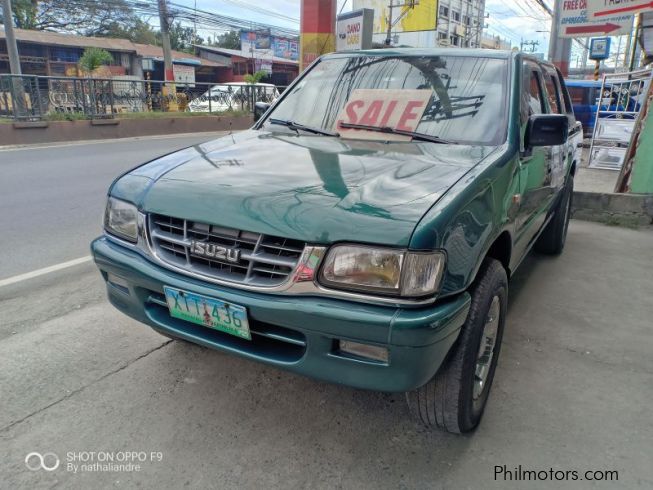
210	312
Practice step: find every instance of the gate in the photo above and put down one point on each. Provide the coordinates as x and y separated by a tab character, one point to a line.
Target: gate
618	111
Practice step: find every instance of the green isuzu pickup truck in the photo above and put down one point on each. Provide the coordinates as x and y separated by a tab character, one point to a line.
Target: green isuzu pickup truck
363	231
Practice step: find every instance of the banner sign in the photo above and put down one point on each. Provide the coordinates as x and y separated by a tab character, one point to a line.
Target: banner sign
285	48
184	74
420	16
354	30
261	64
574	22
600	9
264	44
398	109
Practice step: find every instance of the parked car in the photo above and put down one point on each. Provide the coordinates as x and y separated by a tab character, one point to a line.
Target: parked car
233	96
583	94
586	97
364	230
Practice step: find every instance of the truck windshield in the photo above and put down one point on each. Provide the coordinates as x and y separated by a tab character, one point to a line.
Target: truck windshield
468	103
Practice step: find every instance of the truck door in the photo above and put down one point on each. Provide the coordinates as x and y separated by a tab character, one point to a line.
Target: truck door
534	165
560	155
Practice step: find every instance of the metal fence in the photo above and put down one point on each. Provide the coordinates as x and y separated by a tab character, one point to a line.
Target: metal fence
29	97
619	106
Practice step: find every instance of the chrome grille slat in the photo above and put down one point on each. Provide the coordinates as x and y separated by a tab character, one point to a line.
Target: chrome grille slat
265	261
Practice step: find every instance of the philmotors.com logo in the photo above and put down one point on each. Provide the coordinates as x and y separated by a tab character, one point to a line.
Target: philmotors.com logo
37	461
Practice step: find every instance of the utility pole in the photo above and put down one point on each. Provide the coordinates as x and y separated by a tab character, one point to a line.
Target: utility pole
532	44
169	76
165	40
18	98
409	4
388	38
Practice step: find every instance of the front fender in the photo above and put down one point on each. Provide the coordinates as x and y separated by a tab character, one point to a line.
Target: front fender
469	218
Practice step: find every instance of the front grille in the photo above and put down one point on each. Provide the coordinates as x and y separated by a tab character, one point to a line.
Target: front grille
264	260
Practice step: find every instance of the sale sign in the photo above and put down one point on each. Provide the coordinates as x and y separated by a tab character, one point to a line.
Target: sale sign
397	109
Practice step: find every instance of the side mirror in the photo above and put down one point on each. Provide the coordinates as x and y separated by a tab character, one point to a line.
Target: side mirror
260	108
546	130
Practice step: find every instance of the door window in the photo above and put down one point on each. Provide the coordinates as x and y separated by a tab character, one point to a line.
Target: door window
553	93
532	95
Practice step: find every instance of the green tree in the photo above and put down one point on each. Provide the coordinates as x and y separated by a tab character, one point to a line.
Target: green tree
182	38
256	77
228	40
84	17
136	31
94	58
25	13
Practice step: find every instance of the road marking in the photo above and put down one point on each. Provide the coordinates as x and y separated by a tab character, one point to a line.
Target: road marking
45	270
41	146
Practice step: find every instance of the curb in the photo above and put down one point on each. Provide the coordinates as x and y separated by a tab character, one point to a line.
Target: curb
629	210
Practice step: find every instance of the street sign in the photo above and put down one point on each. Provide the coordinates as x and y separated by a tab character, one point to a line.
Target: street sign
575	23
600	9
599	48
354	30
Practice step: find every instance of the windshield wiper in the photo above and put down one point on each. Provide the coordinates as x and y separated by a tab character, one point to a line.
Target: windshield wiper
302	127
389	130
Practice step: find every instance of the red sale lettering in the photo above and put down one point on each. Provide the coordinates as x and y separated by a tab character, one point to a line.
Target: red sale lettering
409	114
372	113
351	113
388	112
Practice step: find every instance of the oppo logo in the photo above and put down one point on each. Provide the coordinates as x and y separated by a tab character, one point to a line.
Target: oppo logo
37	461
213	251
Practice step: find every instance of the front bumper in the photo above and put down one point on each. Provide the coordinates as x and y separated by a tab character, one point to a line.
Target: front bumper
299	334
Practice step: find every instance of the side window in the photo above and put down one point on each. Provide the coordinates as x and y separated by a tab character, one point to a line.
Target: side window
569	108
553	93
535	100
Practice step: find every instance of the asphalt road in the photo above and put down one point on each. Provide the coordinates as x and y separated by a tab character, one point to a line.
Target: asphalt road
573	389
52	197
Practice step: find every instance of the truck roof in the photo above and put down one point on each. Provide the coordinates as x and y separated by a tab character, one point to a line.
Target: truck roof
391	52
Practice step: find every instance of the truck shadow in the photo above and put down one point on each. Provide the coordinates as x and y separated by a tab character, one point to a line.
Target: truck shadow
367	435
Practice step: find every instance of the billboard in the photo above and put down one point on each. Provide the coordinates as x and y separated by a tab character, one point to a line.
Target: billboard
423	16
265	44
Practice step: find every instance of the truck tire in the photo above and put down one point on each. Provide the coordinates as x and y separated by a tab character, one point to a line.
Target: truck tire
454	399
552	240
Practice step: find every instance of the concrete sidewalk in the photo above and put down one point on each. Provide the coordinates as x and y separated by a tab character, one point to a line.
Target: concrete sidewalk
573	392
595	199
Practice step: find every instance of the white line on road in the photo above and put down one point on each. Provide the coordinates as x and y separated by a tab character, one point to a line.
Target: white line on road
58	144
45	270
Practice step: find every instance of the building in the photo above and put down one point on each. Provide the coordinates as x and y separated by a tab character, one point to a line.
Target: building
55	54
281	71
495	42
460	23
429	23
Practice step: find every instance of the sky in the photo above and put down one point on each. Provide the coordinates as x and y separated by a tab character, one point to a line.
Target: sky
514	21
510	20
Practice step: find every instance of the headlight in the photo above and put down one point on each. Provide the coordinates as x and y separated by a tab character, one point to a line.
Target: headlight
383	270
121	219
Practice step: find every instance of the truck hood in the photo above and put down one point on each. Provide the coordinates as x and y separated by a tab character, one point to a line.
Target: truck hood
310	188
